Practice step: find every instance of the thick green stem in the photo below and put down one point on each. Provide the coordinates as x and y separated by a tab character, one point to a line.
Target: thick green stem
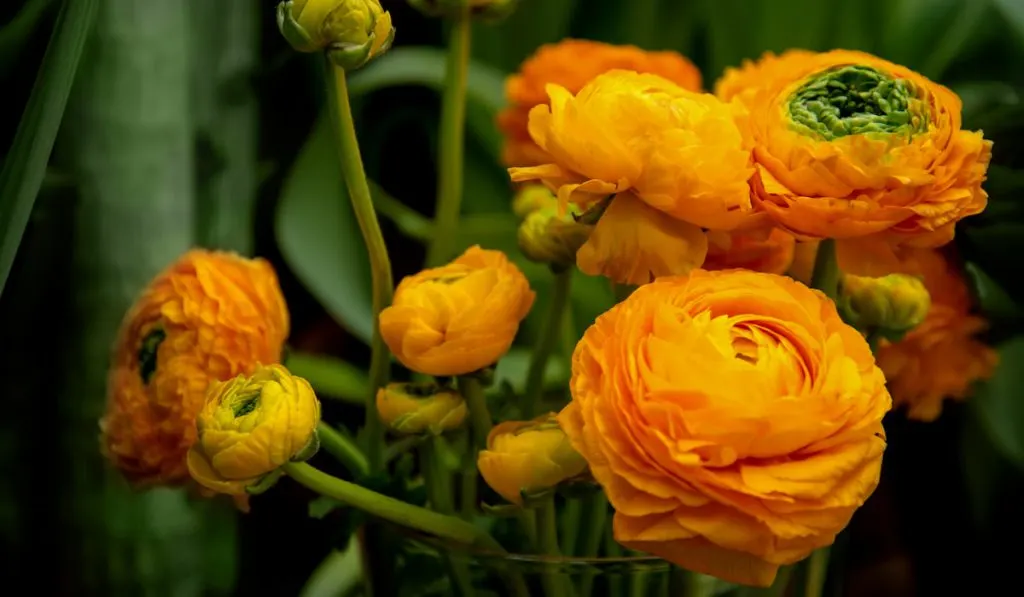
570	525
596	515
380	265
694	585
439	491
479	415
452	143
390	509
344	449
546	342
547	539
825	276
817	569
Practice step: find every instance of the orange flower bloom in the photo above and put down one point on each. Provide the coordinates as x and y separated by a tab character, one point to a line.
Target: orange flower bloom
682	156
571	64
850	145
732	418
942	357
771	252
457	318
209	317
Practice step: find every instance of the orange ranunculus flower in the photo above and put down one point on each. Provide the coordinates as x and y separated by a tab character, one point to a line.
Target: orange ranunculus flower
771	253
571	64
743	82
733	419
457	318
208	317
849	145
942	357
682	156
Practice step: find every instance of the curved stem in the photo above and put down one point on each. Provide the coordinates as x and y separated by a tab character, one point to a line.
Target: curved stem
825	276
546	342
388	508
344	449
380	265
453	125
817	569
479	415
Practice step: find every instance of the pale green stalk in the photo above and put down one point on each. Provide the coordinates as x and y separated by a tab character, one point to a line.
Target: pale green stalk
343	449
351	163
547	340
452	141
817	570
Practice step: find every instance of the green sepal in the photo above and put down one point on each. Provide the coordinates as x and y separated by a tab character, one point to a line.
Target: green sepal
307	451
349	56
296	36
501	510
265	482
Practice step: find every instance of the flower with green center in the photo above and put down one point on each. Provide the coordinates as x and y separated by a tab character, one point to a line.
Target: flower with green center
855	100
847	145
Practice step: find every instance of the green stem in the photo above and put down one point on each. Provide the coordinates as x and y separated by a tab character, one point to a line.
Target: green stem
453	124
400	447
612	549
479	415
694	585
388	508
380	264
468	492
570	525
547	539
817	569
344	449
825	276
546	342
778	588
596	515
439	492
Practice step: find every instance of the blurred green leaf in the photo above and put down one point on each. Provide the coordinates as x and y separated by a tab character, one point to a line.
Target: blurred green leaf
409	221
319	237
412	65
994	301
17	33
25	165
1013	11
998	402
927	35
512	369
330	376
506	44
613	21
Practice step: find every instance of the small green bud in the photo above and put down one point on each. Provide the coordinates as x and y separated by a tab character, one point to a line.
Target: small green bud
352	32
546	237
893	304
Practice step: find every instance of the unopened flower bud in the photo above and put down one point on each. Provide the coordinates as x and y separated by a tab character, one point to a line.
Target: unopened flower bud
411	409
546	237
353	32
250	427
489	10
531	198
527	457
895	303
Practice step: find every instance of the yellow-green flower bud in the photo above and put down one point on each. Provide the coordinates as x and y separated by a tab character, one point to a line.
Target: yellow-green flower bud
412	409
489	10
526	457
546	237
896	303
531	198
353	32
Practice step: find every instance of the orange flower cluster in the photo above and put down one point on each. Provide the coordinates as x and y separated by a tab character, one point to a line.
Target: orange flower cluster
209	317
732	418
941	358
571	64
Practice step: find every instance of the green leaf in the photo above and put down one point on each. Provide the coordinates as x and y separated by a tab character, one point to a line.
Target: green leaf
412	65
1013	11
25	166
535	22
995	302
613	21
998	402
15	35
927	35
319	236
330	376
513	366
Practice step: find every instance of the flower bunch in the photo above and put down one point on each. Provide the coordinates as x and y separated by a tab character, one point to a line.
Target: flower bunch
788	238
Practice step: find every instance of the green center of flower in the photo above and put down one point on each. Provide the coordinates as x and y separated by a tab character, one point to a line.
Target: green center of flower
246	404
854	100
147	353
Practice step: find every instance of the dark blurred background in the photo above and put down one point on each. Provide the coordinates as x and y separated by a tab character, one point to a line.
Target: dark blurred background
191	122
